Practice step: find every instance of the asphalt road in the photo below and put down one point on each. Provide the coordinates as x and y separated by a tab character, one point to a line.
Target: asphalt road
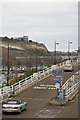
70	110
37	99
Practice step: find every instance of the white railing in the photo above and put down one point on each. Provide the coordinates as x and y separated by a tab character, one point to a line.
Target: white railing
7	91
71	85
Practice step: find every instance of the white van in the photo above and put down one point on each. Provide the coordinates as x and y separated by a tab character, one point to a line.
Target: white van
68	67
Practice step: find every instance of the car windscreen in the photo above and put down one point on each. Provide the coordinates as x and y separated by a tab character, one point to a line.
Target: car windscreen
13	102
68	66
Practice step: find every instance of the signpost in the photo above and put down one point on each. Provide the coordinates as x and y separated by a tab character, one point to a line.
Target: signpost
58	77
58	74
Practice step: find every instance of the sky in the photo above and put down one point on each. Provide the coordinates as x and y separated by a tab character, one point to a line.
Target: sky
43	21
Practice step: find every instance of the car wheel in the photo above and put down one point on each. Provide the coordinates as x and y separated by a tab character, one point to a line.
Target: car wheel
3	112
25	107
20	110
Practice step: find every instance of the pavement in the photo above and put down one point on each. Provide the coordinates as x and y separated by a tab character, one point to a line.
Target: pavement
58	102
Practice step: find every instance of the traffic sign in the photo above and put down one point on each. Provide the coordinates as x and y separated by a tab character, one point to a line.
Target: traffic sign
58	74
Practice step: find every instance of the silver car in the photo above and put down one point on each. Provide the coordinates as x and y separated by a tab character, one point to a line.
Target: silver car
14	106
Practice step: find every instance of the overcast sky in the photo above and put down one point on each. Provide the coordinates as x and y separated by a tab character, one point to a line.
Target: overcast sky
43	22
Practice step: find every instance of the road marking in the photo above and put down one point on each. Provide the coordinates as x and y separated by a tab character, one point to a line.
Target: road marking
44	87
47	113
59	111
37	113
33	99
48	110
40	88
38	99
47	85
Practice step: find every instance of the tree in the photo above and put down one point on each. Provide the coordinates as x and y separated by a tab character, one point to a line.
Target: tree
30	40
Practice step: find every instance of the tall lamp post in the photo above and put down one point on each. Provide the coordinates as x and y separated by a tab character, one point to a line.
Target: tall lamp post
69	42
36	56
8	65
56	43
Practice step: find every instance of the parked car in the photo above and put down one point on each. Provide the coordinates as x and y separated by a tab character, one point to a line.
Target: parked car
68	67
14	106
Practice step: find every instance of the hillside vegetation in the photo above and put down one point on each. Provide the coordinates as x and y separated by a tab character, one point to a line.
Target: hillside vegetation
19	49
29	47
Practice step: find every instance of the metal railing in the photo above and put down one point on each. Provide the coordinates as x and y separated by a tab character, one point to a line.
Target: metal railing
8	91
71	85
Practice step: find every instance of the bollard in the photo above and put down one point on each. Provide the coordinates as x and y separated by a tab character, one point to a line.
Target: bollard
58	93
63	93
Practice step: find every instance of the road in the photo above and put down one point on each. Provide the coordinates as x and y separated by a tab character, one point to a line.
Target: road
37	99
70	110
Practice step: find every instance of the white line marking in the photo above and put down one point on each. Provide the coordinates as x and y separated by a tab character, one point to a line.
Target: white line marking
48	110
37	113
59	111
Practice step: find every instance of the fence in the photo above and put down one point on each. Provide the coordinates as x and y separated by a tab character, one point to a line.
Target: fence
71	85
7	91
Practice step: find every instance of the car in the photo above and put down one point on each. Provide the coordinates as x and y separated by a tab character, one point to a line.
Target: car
68	68
14	106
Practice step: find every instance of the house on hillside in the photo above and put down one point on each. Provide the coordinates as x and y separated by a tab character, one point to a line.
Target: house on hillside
24	38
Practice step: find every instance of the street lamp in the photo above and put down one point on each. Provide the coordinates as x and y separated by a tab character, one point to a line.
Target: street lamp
8	65
69	42
56	43
36	56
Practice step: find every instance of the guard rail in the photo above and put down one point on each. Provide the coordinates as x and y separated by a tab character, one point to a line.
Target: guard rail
8	91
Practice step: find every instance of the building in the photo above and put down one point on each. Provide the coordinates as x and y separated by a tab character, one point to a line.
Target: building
25	38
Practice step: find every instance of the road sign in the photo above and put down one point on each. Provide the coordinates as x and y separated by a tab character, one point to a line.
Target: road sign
57	74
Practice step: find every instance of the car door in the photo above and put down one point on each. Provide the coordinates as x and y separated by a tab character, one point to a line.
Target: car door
22	105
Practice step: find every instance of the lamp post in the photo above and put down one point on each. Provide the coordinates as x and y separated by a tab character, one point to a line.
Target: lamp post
69	42
8	65
36	56
56	43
